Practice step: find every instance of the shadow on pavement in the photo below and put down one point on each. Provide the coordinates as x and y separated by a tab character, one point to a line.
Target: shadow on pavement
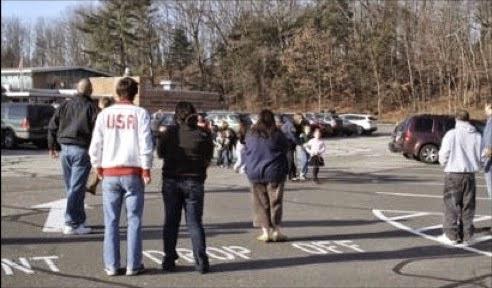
408	253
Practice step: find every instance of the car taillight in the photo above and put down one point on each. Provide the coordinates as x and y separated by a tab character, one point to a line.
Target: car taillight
25	124
408	136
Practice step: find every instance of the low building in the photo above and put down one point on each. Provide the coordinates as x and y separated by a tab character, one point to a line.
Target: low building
163	97
62	77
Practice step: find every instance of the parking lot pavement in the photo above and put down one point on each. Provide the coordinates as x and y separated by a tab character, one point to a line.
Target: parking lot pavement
372	222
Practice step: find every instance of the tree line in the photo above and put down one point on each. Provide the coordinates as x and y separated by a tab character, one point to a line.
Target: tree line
310	55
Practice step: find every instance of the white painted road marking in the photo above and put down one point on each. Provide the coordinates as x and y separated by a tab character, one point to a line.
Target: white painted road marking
224	253
24	265
422	195
56	217
327	247
477	219
379	214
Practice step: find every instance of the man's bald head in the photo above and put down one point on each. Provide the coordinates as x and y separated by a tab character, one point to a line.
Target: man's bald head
84	87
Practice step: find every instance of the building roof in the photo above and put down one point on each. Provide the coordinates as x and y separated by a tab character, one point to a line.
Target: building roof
50	69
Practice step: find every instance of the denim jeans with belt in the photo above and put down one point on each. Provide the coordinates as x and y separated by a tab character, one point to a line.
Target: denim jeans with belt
117	189
76	166
187	193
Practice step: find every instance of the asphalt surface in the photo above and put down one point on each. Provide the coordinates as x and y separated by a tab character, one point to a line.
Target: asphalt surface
371	222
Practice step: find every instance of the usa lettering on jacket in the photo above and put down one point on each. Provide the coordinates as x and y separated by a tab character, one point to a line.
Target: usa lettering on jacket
121	121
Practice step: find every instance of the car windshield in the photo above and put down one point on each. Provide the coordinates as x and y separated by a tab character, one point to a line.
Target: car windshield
372	118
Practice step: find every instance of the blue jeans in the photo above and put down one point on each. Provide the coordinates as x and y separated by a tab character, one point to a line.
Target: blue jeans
116	189
303	159
187	193
488	181
76	166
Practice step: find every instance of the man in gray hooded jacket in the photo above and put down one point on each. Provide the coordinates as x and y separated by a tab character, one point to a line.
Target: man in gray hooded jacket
460	155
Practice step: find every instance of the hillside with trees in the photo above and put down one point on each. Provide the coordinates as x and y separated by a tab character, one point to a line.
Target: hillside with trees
383	57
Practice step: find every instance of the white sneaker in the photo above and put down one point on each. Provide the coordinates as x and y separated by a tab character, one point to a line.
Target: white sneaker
302	177
444	239
80	230
68	230
110	272
137	271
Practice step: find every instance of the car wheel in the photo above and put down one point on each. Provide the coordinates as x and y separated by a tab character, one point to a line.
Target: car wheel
360	130
429	154
9	140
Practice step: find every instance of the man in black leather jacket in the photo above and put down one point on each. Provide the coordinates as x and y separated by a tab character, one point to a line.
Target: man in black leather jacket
70	129
187	150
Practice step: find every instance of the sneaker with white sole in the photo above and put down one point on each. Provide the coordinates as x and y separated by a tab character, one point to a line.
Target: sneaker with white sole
111	272
444	239
130	272
302	177
80	230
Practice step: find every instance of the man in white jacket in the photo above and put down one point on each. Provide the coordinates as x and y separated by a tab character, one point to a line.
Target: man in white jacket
460	155
121	150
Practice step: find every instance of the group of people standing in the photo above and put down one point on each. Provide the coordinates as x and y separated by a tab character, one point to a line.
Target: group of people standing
115	141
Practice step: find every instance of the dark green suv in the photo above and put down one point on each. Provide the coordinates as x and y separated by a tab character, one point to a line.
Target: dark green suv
25	122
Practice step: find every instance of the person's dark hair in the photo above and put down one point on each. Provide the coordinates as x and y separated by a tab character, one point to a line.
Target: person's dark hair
127	88
265	126
185	113
462	115
105	102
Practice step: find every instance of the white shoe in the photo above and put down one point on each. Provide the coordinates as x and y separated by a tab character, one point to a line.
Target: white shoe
80	230
302	177
444	239
137	271
68	230
111	272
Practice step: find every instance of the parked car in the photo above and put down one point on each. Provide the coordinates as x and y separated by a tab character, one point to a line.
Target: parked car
367	123
350	128
25	122
396	142
317	121
219	117
420	136
335	123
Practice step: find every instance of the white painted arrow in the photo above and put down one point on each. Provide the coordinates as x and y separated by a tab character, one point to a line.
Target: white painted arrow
56	217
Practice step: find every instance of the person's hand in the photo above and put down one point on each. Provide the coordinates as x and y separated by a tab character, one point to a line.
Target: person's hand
146	179
99	173
488	153
53	153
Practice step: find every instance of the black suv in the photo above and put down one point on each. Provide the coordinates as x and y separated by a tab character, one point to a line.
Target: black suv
25	122
420	136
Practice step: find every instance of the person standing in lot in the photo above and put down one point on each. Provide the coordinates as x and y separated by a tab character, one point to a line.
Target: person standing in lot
289	131
71	128
487	149
460	155
266	168
304	131
187	151
93	180
121	150
243	129
316	147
